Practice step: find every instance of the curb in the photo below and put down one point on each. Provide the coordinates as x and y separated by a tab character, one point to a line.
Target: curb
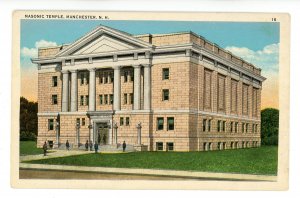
153	172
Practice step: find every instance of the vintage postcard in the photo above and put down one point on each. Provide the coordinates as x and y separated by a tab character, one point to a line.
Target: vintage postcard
150	100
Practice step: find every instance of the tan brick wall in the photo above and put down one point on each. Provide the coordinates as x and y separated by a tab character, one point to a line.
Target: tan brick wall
46	90
171	39
178	85
44	134
48	52
104	89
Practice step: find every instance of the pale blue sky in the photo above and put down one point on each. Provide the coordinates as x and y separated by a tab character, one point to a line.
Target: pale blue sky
251	35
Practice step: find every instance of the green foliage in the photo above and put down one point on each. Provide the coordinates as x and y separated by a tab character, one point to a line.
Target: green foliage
29	148
28	119
269	126
261	160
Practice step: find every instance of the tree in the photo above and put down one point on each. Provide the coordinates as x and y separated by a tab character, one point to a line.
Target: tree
28	119
269	126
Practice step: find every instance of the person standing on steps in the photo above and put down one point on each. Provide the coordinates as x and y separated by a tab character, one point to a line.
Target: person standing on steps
45	148
91	145
68	145
87	145
124	146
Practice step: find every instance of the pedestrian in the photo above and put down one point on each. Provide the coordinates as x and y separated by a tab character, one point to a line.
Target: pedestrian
68	145
96	147
45	148
91	145
124	146
87	145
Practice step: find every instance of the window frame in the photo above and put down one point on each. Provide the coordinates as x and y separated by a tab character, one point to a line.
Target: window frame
50	124
121	121
54	99
168	125
159	146
163	94
157	124
127	121
165	76
54	81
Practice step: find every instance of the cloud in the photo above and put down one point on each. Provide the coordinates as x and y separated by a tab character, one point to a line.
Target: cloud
33	52
267	58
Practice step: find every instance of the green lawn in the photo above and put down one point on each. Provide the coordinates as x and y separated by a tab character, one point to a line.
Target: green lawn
29	148
248	161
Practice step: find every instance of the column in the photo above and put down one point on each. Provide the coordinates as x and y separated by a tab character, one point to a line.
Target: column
65	92
137	88
117	88
139	135
147	87
92	90
74	89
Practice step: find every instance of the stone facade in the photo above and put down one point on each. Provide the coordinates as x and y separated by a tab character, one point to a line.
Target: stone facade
186	93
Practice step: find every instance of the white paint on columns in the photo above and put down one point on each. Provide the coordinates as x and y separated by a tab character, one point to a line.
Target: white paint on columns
65	92
117	88
74	89
137	87
147	87
92	90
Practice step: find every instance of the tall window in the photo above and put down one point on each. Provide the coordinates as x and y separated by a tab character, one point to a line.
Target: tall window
204	125
121	121
231	127
87	100
125	98
111	77
81	78
78	121
54	81
111	99
127	121
87	77
101	78
224	126
83	122
165	73
160	123
170	121
101	99
50	124
125	76
81	100
209	125
105	78
105	99
159	146
219	125
236	127
165	94
131	98
243	127
54	99
247	127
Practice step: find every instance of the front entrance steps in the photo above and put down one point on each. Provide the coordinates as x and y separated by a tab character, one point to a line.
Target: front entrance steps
101	148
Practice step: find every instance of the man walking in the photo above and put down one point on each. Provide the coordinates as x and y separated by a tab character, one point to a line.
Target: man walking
124	146
87	145
45	148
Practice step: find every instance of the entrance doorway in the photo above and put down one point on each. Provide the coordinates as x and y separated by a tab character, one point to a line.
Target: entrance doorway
102	135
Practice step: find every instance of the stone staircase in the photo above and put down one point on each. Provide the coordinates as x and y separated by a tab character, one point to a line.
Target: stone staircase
102	148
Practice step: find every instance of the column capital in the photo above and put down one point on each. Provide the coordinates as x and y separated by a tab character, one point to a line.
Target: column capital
92	70
74	71
64	71
136	66
147	65
116	67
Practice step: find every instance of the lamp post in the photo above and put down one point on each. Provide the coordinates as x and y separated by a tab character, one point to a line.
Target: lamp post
139	135
90	135
116	132
77	134
57	134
